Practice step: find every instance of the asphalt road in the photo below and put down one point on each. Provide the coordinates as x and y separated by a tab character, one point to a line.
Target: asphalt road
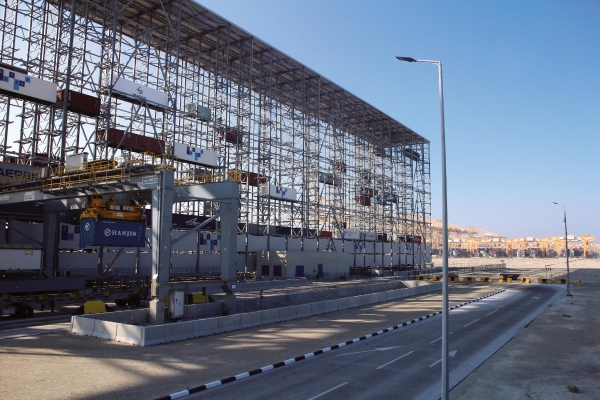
404	363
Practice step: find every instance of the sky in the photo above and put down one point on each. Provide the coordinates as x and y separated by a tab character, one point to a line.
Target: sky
521	94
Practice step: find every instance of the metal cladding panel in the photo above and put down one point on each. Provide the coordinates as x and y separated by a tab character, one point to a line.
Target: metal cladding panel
81	103
17	84
352	234
195	155
109	232
136	92
279	192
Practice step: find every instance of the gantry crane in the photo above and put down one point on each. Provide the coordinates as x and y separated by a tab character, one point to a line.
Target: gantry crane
587	239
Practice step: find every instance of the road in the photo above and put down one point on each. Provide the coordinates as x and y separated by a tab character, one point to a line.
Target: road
404	363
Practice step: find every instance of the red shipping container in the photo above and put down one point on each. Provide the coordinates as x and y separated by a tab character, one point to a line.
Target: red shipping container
416	239
231	135
382	237
364	200
326	234
81	103
253	178
132	141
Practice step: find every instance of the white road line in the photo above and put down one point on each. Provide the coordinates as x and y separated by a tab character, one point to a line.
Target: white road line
464	326
492	312
396	359
440	338
451	354
330	390
435	363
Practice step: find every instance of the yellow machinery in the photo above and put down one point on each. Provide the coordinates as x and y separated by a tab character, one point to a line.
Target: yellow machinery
98	209
587	239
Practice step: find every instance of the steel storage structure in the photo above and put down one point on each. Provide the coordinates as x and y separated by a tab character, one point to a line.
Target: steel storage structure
310	157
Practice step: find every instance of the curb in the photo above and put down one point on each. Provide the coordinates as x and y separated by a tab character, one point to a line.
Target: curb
308	355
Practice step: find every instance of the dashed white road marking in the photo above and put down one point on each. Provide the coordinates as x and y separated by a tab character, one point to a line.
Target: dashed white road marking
395	359
327	391
464	326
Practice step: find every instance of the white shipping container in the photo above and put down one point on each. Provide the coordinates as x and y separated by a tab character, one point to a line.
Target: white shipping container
198	111
370	236
351	234
136	92
278	192
20	259
195	154
18	84
76	162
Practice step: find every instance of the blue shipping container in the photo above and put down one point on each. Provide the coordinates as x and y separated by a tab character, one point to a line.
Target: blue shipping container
109	232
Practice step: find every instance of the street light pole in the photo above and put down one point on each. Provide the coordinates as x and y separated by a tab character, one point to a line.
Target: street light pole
445	375
566	248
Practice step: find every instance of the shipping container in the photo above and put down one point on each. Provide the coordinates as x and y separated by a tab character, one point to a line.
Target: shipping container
80	103
363	200
382	237
194	154
109	232
339	166
369	236
198	111
351	234
365	191
231	135
329	179
20	260
15	82
278	192
326	234
76	162
132	141
131	91
254	179
412	154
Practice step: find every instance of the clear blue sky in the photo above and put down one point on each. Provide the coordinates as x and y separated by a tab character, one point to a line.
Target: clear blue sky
521	88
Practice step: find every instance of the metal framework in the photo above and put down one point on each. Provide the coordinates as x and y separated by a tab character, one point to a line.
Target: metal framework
271	115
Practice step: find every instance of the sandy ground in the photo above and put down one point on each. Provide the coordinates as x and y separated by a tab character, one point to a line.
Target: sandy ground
558	350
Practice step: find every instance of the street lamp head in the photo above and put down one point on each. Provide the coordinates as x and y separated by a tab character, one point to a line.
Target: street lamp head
554	202
407	59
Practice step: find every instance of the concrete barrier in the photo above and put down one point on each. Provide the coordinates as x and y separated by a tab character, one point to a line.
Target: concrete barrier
287	313
363	300
342	292
317	308
82	325
230	323
270	316
153	335
383	296
105	329
353	302
342	304
129	334
331	306
139	316
373	298
251	319
179	331
303	310
206	327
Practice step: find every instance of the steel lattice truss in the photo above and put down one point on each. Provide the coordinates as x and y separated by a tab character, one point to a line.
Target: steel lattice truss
293	123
